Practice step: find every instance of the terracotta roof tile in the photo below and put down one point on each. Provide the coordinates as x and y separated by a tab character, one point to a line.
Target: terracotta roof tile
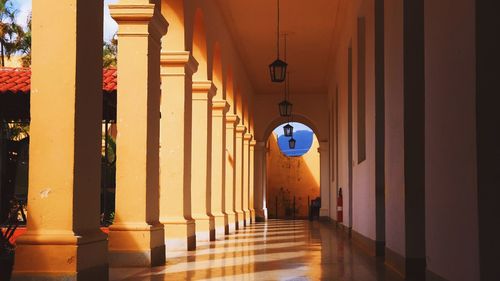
18	80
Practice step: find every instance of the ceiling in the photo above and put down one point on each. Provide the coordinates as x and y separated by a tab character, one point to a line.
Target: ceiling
309	25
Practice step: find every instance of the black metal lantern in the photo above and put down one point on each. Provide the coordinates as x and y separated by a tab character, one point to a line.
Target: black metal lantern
291	143
285	108
277	69
288	130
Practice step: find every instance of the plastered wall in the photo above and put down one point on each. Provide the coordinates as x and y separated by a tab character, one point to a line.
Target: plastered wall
298	176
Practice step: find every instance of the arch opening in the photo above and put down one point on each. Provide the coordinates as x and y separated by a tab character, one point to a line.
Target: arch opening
292	175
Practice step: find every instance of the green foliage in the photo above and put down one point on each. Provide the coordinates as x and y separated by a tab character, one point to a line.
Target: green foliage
109	51
11	33
25	45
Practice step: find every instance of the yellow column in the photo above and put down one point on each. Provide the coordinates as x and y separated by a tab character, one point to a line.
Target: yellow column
201	145
251	182
246	170
177	70
136	237
260	181
63	240
230	176
238	190
218	206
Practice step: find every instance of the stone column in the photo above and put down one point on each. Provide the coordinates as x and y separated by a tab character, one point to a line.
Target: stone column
324	212
136	237
251	182
201	145
177	70
238	190
260	181
246	177
63	240
218	210
230	176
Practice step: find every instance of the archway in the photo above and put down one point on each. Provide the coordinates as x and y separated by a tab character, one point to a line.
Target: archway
292	173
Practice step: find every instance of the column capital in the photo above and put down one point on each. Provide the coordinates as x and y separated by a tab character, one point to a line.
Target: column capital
219	107
146	19
260	145
203	89
131	13
232	119
252	145
240	130
247	137
178	59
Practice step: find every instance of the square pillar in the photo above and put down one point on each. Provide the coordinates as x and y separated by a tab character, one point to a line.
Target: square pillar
63	240
218	185
238	190
136	237
260	181
251	182
246	177
177	70
324	162
201	145
230	176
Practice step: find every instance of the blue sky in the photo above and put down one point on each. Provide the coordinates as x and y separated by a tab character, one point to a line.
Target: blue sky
24	8
296	127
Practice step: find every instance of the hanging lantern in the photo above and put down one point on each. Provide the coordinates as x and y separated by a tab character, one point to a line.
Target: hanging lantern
288	130
291	143
285	108
277	69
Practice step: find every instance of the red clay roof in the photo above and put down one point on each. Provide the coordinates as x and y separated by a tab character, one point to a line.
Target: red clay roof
18	80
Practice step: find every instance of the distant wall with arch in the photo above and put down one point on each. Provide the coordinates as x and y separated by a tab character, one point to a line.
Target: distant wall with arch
289	177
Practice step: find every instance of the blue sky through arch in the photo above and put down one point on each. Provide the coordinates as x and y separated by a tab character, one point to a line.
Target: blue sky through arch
301	133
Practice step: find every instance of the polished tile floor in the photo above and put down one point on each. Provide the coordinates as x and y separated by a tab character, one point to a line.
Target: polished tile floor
276	250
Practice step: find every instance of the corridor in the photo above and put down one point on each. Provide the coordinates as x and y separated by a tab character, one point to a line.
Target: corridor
276	250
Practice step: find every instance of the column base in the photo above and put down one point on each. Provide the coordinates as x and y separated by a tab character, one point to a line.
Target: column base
261	215
230	223
220	224
252	216
97	273
61	256
136	245
246	217
239	219
179	234
205	228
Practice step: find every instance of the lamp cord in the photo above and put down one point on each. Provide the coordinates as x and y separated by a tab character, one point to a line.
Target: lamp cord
278	31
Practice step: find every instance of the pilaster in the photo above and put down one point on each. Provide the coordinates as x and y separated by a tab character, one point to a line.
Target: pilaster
177	68
136	236
201	145
260	181
324	155
247	137
251	182
238	194
63	240
218	210
230	176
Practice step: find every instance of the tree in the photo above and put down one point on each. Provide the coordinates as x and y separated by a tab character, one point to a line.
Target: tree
10	32
109	50
25	45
